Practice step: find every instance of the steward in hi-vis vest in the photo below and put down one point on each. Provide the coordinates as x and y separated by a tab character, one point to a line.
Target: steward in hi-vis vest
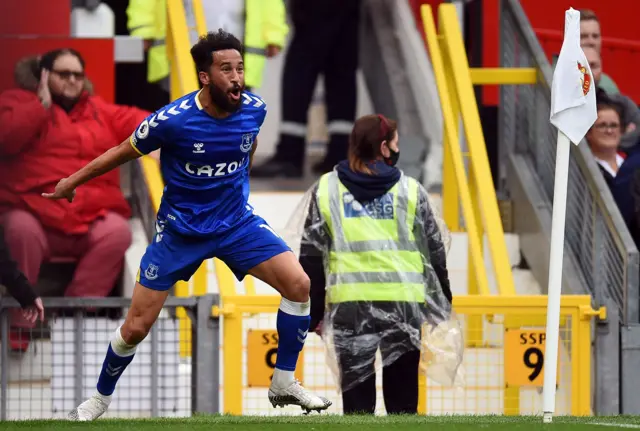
265	32
376	256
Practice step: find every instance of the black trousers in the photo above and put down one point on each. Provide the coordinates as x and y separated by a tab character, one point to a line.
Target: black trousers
325	41
399	388
359	330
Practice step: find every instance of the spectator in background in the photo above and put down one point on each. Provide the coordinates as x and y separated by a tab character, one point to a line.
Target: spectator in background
591	37
50	127
325	41
604	138
630	113
261	25
621	170
633	223
147	19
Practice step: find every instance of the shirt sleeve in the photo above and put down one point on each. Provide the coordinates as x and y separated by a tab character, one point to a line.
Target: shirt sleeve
153	133
260	115
257	107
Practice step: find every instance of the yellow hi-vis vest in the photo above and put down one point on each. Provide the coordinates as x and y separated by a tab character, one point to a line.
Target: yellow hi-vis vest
265	24
147	19
374	255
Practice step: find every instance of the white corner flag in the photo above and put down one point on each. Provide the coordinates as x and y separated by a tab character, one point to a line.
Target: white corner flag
573	112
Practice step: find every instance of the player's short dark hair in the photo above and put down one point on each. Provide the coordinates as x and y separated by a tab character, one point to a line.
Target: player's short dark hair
202	51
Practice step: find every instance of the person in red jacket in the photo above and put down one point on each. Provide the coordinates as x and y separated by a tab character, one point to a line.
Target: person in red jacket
50	127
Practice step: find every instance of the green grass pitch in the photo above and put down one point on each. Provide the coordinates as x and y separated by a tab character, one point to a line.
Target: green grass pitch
336	423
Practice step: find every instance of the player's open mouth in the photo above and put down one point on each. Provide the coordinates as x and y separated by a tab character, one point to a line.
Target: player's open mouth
235	95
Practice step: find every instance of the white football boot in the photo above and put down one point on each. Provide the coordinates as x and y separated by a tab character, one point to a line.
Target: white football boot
296	395
91	409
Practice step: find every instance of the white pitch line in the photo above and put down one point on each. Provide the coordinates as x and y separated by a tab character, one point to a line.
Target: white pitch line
611	425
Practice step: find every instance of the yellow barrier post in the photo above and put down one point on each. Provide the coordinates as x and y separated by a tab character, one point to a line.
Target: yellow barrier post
198	14
232	362
231	339
583	368
450	202
200	280
183	75
475	323
450	189
184	322
475	336
422	393
503	75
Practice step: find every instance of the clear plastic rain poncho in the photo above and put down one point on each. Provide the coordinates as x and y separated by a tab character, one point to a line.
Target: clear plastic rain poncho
354	326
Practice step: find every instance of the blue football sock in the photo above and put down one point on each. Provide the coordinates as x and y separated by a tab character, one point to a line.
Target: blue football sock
119	355
292	324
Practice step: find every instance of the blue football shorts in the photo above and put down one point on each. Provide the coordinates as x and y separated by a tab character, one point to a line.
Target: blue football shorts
172	256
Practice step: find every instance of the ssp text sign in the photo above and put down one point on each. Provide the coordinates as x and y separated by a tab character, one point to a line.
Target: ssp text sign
524	355
262	349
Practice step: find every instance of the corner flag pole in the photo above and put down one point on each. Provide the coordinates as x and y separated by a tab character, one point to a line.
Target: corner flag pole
573	112
555	275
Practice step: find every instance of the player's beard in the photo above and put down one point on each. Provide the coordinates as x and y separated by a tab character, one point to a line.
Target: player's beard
221	99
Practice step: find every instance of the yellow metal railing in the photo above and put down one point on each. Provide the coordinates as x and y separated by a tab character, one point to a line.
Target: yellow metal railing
490	320
498	370
473	191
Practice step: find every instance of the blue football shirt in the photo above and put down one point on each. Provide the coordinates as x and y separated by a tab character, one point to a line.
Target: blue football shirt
204	162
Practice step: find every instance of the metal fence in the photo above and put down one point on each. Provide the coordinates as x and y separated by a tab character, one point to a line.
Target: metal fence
497	376
598	244
60	367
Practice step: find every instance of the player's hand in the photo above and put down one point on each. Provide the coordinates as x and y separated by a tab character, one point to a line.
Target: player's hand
318	329
273	50
43	89
33	312
64	190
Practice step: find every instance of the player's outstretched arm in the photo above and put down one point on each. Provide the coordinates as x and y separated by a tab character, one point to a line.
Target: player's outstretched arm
114	157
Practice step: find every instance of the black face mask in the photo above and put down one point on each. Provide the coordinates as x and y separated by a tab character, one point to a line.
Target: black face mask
393	158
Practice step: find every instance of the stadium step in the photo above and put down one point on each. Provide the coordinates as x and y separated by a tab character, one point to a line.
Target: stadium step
277	208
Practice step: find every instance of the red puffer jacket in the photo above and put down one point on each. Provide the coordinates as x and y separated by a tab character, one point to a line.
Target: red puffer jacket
38	147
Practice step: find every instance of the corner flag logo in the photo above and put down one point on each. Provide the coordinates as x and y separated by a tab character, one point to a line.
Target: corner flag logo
585	79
